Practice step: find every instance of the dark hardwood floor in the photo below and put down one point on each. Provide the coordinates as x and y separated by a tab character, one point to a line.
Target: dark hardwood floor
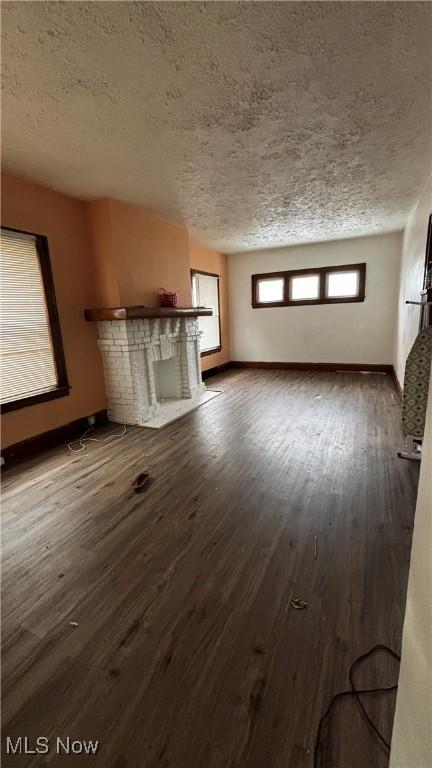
187	652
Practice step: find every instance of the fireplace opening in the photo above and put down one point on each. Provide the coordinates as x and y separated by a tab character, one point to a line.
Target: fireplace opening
167	375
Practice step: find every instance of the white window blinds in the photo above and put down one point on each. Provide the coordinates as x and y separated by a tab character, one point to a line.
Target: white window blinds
205	291
27	359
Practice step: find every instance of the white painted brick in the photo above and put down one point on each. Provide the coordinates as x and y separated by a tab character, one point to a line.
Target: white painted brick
130	350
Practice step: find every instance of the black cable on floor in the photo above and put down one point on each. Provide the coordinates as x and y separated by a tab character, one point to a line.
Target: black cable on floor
354	665
356	692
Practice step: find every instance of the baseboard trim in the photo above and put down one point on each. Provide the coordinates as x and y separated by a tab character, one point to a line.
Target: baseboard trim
397	384
215	370
34	445
330	367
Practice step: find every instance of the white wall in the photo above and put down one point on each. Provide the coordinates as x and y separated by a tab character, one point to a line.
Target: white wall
412	728
361	332
411	279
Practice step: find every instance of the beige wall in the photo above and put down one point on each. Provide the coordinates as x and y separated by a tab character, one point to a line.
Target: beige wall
411	280
412	728
330	333
63	220
210	261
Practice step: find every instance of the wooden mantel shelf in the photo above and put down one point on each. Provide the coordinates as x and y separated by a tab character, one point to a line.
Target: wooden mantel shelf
130	313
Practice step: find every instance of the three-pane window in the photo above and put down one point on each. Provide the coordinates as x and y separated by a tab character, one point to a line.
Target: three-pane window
322	285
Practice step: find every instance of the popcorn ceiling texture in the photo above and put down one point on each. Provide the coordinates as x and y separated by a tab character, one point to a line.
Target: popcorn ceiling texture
254	124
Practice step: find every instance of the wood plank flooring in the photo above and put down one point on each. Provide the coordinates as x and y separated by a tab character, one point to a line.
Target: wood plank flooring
187	653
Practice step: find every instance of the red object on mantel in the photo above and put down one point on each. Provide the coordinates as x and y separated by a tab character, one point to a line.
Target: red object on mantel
168	298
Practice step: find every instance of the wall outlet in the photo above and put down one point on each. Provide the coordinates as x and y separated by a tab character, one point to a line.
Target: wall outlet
92	420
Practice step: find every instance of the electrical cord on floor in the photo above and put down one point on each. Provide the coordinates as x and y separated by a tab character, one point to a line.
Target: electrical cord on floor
83	439
354	665
356	692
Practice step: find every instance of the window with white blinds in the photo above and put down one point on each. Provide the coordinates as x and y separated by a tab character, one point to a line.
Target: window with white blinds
27	354
205	293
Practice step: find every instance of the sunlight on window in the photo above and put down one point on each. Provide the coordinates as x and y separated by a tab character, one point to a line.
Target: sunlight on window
27	355
304	288
205	293
342	284
270	290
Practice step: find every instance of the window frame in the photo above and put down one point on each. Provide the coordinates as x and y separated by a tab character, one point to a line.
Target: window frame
322	273
269	276
62	388
194	272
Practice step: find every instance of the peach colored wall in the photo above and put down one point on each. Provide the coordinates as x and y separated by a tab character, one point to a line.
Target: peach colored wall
103	253
139	253
63	220
210	261
100	225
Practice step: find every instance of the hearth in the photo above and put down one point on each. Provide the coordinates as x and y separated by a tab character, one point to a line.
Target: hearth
149	362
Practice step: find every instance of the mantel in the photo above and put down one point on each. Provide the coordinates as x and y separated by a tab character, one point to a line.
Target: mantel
132	313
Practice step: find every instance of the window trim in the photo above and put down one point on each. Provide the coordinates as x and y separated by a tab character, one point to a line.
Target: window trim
62	389
213	350
322	272
269	276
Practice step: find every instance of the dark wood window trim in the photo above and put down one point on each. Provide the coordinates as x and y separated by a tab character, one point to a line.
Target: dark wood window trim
62	389
322	273
213	350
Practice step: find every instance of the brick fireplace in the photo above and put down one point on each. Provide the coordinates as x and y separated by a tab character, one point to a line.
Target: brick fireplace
149	361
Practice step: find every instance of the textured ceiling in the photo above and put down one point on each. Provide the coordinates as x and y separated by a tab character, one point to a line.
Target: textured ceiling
254	123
